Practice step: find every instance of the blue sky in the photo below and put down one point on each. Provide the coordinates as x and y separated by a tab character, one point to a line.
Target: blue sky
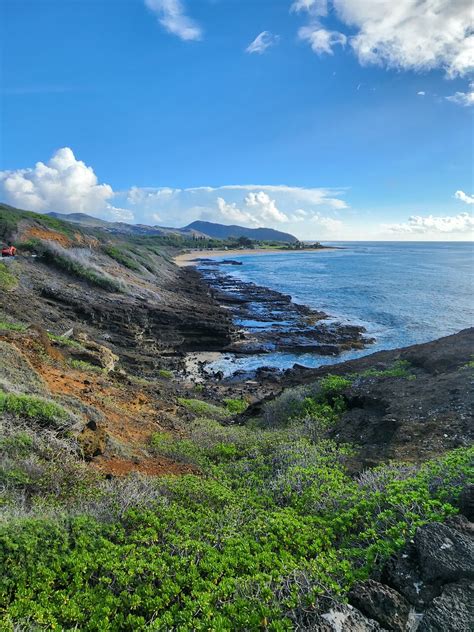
331	120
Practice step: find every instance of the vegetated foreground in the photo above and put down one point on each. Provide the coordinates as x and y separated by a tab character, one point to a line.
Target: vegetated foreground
141	501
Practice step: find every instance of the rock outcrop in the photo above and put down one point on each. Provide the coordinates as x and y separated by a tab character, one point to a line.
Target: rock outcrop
426	587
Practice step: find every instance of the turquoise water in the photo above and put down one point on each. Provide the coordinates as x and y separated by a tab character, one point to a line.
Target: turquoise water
403	293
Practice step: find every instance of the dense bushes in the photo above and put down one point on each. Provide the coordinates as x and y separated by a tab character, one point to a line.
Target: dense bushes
270	531
226	551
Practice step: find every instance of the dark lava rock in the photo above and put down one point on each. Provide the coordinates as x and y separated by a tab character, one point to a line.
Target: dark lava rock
382	603
345	618
402	573
452	611
444	554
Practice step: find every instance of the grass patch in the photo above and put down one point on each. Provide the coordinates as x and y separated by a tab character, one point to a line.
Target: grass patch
12	326
81	365
165	373
118	254
68	342
401	368
70	263
204	409
35	408
8	281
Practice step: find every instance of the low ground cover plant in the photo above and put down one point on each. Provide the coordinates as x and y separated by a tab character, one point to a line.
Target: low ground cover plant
271	509
39	409
8	280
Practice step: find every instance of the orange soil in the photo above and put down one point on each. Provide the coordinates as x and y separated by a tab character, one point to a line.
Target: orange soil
130	414
158	466
34	232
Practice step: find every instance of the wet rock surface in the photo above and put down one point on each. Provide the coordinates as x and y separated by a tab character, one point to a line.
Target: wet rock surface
427	586
268	320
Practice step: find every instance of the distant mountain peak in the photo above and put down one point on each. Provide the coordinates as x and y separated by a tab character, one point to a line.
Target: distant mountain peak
223	231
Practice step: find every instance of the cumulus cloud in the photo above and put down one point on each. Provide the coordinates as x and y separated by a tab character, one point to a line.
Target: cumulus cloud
68	185
421	93
63	184
462	223
464	197
410	35
261	205
463	98
314	195
263	41
172	16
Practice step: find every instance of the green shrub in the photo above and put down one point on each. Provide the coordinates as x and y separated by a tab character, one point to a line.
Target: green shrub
231	551
8	280
68	342
236	406
165	373
204	409
36	408
17	444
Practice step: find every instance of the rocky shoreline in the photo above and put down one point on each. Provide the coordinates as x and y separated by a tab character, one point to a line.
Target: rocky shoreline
267	321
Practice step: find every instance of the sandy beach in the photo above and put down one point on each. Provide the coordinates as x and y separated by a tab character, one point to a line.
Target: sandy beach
190	258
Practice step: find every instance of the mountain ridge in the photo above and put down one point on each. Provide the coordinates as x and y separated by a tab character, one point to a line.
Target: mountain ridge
197	228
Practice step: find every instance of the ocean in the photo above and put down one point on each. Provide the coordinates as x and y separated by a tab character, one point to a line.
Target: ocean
402	292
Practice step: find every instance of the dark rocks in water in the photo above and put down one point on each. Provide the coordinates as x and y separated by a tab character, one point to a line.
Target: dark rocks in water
382	603
270	321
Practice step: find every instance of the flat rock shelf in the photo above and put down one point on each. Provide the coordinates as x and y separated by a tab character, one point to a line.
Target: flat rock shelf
267	320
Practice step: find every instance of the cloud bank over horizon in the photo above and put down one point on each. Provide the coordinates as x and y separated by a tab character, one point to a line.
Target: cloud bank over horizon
67	185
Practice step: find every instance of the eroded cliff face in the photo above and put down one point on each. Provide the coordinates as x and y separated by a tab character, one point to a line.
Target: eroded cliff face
158	311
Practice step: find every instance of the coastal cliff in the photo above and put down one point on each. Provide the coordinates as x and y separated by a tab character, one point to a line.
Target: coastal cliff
137	497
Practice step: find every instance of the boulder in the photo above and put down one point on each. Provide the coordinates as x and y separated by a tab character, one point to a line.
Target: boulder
444	554
381	603
452	611
346	618
92	440
402	573
94	353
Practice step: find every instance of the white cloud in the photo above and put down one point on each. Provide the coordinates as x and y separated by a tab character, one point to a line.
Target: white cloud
463	98
421	93
464	197
64	184
315	7
330	224
68	185
171	15
409	34
315	196
321	40
263	41
462	223
231	212
262	205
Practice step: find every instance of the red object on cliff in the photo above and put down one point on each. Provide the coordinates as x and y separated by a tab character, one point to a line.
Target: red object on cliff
8	251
